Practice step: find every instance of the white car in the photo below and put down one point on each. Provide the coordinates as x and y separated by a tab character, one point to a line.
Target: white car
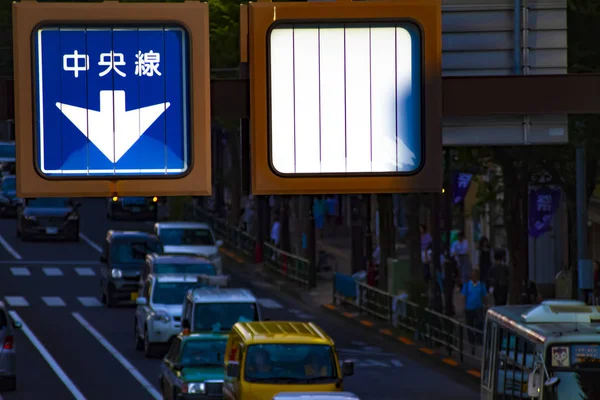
190	238
158	313
316	396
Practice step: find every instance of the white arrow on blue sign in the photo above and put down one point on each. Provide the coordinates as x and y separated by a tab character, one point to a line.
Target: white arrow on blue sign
112	102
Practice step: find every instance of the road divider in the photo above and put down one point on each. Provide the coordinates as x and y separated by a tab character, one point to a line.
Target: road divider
90	242
48	357
9	248
118	356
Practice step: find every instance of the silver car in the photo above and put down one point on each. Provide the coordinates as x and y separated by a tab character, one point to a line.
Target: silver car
316	396
8	355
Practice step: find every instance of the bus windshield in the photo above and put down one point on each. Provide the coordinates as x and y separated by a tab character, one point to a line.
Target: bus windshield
583	385
577	367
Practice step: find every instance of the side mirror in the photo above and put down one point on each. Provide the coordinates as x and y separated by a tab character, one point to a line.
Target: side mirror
141	301
219	243
347	368
17	325
233	369
534	382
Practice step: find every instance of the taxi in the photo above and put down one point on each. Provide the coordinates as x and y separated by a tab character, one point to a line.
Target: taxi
193	367
267	358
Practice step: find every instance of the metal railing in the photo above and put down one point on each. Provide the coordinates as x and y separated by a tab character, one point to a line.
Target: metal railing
290	266
433	329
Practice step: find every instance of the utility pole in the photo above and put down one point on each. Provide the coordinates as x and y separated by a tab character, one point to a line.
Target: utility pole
311	246
585	269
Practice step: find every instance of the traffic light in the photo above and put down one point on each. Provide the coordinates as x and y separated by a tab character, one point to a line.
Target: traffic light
345	97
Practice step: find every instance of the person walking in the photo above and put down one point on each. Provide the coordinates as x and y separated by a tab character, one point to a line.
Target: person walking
499	279
475	293
485	258
460	252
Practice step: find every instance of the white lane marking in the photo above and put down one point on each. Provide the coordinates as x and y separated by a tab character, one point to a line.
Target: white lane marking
48	357
261	284
397	363
89	301
269	303
20	271
16	301
53	271
9	248
85	272
89	241
31	263
301	314
363	352
375	363
359	343
115	353
53	301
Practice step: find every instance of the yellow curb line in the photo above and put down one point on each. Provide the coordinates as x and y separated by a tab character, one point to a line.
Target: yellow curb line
450	361
426	350
366	323
347	314
474	373
330	306
405	340
386	332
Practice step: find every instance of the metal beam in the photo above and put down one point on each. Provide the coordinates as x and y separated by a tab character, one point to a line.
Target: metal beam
470	96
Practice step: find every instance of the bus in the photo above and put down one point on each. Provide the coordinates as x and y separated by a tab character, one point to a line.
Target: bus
549	351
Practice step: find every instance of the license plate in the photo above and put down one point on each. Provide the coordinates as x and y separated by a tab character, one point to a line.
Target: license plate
134	296
51	231
135	209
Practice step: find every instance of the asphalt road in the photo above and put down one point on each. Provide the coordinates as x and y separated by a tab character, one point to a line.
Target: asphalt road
73	347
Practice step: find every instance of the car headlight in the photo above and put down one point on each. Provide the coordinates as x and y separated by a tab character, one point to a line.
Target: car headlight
116	273
195	387
30	217
73	217
162	317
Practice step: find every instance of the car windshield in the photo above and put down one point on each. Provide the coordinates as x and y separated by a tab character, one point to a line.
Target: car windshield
9	184
199	353
170	292
133	251
55	202
199	269
216	317
186	237
288	363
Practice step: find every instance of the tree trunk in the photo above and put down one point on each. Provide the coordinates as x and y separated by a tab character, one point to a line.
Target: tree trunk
387	236
413	236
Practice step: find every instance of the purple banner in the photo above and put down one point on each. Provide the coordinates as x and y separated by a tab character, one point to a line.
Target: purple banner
460	185
543	203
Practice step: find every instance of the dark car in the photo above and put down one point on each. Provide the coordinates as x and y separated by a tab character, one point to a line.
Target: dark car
137	208
9	203
48	218
123	259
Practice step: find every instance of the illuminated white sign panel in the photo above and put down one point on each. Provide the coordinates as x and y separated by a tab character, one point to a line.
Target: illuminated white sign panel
345	98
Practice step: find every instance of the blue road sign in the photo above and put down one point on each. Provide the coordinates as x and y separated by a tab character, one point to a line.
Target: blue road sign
112	102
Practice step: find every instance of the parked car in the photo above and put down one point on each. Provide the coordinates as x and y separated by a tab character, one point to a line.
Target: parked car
123	259
56	217
9	202
8	354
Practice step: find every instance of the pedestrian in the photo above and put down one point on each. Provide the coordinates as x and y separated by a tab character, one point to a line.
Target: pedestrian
499	279
460	252
485	258
427	259
475	293
426	238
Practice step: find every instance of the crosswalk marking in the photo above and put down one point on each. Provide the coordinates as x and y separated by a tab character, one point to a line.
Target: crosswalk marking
89	301
16	301
269	303
397	363
53	301
20	271
300	314
53	271
85	271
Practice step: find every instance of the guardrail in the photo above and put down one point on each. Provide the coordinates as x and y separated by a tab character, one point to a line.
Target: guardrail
292	267
433	329
288	265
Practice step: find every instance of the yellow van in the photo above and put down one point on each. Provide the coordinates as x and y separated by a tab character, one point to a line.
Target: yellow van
265	358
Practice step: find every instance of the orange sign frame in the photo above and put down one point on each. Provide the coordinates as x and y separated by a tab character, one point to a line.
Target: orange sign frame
425	13
193	16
